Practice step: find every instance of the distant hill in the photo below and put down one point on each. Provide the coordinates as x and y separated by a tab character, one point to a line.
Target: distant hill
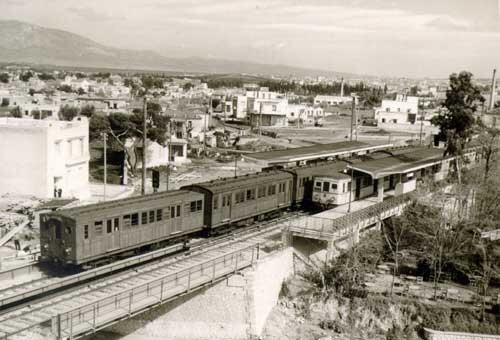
23	42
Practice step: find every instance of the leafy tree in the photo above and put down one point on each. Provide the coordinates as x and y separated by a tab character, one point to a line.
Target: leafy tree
81	91
65	88
80	75
26	76
97	126
68	112
45	76
489	141
456	124
87	110
31	92
187	86
4	78
16	112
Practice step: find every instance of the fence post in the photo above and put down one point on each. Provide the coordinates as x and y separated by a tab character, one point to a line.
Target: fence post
59	337
213	272
71	326
130	296
161	291
236	263
189	280
93	321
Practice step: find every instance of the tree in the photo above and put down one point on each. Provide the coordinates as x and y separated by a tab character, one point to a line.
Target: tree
45	76
489	140
68	112
394	231
16	112
81	91
4	78
187	87
87	110
26	76
31	92
5	102
65	88
456	124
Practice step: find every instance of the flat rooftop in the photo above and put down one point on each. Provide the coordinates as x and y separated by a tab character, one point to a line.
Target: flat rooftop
313	152
400	162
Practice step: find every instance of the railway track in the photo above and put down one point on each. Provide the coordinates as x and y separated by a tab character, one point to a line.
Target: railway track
23	316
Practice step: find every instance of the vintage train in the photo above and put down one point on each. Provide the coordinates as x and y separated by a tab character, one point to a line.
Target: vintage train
88	234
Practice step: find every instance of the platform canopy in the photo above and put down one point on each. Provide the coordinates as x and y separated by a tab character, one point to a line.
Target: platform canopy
318	151
400	162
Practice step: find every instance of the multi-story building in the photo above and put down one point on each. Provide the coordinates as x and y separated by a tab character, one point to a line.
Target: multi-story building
44	158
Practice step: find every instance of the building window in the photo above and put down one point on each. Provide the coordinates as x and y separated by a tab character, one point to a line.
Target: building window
383	120
274	108
387	109
86	231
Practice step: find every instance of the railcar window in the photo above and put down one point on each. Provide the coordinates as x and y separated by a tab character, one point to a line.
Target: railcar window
271	190
159	214
117	224
151	216
126	220
282	187
144	217
262	191
193	206
172	212
98	227
250	194
68	230
178	210
86	231
109	226
216	203
326	186
318	184
239	197
134	219
199	205
229	199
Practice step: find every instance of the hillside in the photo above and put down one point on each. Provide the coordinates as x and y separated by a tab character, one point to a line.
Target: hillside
23	42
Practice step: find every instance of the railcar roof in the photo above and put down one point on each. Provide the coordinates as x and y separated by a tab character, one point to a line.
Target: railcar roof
225	184
75	211
400	162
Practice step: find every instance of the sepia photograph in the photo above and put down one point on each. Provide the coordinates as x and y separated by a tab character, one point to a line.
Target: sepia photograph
249	170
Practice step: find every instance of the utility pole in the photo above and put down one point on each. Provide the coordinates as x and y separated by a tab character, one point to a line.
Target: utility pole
260	119
104	137
493	88
353	110
235	165
169	151
205	132
422	116
144	138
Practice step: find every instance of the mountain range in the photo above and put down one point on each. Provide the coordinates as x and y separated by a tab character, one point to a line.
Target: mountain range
27	43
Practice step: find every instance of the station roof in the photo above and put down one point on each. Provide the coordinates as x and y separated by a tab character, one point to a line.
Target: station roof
400	162
313	152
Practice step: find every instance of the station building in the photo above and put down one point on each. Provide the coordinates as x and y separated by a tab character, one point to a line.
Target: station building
43	158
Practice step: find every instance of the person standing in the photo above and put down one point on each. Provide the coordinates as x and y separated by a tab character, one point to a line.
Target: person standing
17	244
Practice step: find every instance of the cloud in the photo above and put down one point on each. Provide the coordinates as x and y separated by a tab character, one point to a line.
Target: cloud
447	23
89	14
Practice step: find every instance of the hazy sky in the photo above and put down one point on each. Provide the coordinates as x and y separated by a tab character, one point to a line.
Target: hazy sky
381	37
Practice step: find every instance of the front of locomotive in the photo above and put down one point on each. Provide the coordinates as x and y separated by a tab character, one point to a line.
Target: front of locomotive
57	238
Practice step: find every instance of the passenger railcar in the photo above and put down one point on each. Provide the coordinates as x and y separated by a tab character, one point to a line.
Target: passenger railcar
230	200
303	179
85	234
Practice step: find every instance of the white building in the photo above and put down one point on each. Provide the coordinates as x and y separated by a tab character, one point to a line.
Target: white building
39	157
332	100
304	114
403	114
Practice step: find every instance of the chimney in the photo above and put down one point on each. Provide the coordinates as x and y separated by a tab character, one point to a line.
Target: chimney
342	87
493	90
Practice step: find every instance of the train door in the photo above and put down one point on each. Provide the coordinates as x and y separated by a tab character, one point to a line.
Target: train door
175	217
113	233
281	193
358	188
226	207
